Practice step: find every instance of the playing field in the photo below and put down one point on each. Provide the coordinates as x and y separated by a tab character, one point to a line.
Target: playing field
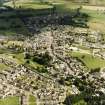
10	101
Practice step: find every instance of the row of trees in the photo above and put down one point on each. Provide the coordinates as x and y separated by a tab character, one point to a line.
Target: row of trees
93	2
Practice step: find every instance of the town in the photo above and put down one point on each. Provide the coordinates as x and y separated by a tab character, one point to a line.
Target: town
60	60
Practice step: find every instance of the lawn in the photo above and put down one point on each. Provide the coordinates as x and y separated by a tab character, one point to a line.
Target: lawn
3	67
2	51
19	57
32	100
21	60
96	20
10	101
66	8
90	61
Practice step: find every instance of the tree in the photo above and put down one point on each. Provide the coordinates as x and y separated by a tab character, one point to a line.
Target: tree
1	2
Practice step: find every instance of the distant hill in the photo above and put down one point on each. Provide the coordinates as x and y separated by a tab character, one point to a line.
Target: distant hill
91	2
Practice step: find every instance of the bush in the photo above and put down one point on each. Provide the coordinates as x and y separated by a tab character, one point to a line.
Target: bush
27	56
95	70
42	69
43	59
27	61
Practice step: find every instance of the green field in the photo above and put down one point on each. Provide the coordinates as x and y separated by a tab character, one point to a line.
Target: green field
90	61
10	101
21	60
3	67
29	5
32	100
78	100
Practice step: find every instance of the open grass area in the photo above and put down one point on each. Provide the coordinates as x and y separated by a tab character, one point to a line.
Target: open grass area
3	67
19	58
90	61
78	100
95	15
30	5
96	21
10	101
29	63
34	5
66	8
2	51
32	100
